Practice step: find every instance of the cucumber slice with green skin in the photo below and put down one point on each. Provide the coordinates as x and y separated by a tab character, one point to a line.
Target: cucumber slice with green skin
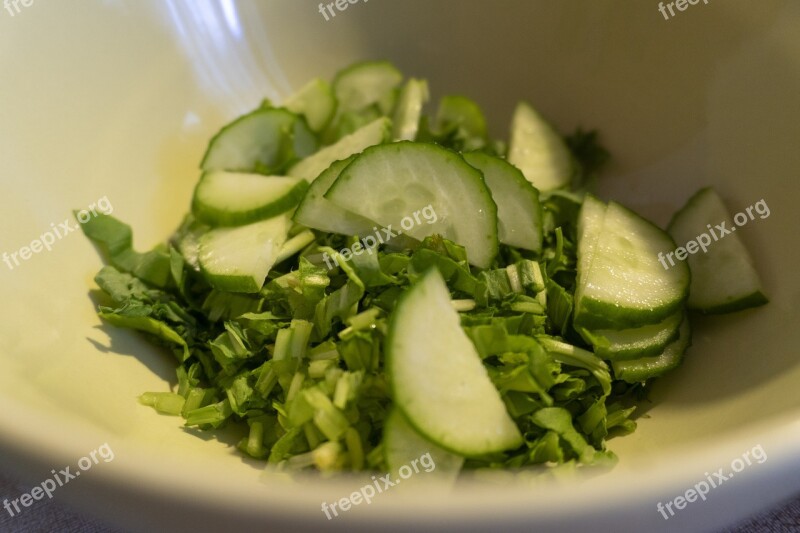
637	370
232	199
263	139
189	247
408	111
365	84
376	132
538	150
437	378
349	123
405	448
304	142
621	283
316	211
633	343
239	259
392	183
724	278
590	223
187	240
316	102
457	111
295	245
519	214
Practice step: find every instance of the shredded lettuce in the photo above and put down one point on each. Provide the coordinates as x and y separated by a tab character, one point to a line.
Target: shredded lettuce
300	366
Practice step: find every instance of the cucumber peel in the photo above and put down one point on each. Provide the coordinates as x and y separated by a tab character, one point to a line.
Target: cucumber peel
233	199
373	133
239	259
621	283
519	214
437	378
642	369
724	278
262	141
415	176
316	211
316	102
538	150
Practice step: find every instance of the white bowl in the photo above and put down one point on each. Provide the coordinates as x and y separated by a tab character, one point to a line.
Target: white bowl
116	99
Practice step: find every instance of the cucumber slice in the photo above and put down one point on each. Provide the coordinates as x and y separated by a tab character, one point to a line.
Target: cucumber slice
438	379
590	222
723	278
316	102
365	84
392	183
316	211
519	215
538	150
637	370
257	142
633	343
408	111
621	283
295	245
456	112
239	259
404	446
232	199
187	240
376	132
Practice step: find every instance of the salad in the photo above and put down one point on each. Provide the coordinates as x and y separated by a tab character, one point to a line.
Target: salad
358	283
